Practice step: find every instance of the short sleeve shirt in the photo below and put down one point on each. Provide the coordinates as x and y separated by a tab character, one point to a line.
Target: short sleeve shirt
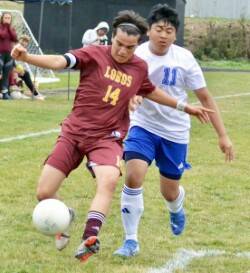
105	88
175	73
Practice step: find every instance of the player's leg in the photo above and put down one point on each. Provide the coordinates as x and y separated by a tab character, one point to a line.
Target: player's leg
132	205
1	72
104	163
64	158
139	153
8	65
171	160
27	80
49	182
48	185
1	68
174	194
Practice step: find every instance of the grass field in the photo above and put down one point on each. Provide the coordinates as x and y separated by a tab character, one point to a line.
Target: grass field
217	202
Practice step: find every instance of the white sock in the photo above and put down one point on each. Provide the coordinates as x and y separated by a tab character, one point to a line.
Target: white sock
131	211
176	205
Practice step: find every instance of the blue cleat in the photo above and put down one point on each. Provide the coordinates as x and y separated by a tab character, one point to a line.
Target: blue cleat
128	249
177	222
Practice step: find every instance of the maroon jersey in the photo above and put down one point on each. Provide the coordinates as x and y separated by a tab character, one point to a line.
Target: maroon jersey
7	38
102	97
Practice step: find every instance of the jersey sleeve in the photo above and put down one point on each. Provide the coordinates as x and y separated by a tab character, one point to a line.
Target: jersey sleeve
83	57
3	32
194	77
146	87
13	35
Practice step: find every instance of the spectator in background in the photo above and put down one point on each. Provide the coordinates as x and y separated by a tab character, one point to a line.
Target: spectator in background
19	75
7	38
96	36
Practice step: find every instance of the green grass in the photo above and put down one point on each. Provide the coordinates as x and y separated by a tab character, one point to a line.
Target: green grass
217	201
66	79
226	64
72	78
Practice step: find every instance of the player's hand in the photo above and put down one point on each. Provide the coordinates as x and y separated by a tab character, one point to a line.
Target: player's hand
134	102
19	53
202	113
226	147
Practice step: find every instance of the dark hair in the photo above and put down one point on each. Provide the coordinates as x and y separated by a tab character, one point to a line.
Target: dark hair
25	38
162	12
130	22
4	13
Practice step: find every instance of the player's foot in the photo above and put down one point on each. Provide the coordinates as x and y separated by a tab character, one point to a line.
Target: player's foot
128	249
62	239
6	96
39	97
24	97
87	248
177	221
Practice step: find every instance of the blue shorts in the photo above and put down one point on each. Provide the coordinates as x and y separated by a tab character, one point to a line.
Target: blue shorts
170	157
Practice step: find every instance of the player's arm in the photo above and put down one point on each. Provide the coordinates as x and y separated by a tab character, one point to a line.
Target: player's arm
12	33
134	102
161	97
225	143
54	62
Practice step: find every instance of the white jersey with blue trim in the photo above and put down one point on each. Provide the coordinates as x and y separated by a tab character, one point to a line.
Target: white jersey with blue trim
176	72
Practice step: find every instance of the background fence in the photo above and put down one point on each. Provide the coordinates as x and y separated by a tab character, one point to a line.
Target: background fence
81	15
232	9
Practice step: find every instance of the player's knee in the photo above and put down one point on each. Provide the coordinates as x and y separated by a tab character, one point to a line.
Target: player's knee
111	186
43	193
171	196
107	187
9	65
134	180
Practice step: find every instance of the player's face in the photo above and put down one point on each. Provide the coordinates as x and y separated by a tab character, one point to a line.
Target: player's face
123	46
24	43
102	31
6	18
161	36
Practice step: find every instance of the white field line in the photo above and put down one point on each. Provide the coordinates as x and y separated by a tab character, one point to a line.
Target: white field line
20	137
231	96
243	255
227	97
42	133
184	257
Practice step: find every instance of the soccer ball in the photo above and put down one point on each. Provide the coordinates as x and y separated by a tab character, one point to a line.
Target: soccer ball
51	216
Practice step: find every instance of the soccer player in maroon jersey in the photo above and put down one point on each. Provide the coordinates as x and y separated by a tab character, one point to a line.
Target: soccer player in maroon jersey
109	77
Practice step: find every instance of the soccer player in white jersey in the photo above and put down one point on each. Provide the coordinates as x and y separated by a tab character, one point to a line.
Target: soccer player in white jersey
160	133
